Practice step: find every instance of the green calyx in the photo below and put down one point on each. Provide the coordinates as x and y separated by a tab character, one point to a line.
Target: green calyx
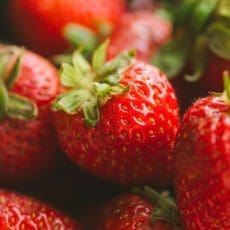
218	34
91	86
226	93
199	26
165	208
218	30
223	9
13	105
82	38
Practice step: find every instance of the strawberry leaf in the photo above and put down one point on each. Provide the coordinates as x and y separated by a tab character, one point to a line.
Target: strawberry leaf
104	29
80	63
218	35
70	76
172	57
59	59
119	89
91	112
112	79
71	101
223	8
99	56
201	14
226	78
101	89
79	35
15	70
111	71
3	100
183	13
4	60
20	107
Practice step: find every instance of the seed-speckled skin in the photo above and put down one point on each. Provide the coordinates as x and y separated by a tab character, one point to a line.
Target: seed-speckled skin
143	31
133	142
18	212
202	157
28	148
39	24
129	212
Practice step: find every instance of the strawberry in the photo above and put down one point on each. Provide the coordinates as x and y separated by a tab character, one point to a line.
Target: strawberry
22	212
148	210
28	84
29	19
141	30
199	51
202	164
119	119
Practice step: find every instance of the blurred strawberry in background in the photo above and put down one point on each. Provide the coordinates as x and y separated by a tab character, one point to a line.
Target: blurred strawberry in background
39	24
144	31
198	53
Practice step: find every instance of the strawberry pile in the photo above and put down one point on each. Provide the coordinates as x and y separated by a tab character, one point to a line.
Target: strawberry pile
114	115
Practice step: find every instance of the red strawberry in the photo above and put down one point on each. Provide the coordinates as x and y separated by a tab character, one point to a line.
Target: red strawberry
22	212
28	146
39	24
137	212
142	30
202	162
130	114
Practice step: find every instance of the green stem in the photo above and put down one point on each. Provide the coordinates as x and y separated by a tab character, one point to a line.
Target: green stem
226	77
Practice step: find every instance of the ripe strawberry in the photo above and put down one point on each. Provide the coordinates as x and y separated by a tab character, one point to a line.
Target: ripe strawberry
28	146
147	211
202	164
23	212
142	30
130	120
31	19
